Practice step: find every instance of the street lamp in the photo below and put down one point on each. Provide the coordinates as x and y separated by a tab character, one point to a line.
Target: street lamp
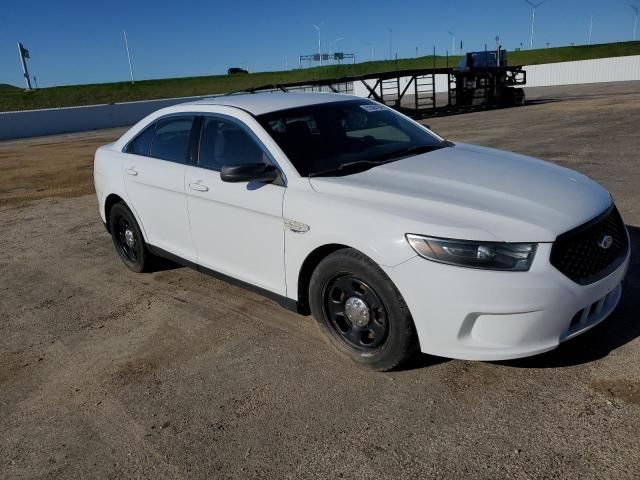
453	42
635	22
319	44
533	18
126	46
332	43
370	46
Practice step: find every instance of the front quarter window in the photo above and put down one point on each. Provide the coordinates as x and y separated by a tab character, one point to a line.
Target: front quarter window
141	145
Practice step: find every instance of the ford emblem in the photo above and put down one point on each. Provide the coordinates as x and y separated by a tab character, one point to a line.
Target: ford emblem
605	242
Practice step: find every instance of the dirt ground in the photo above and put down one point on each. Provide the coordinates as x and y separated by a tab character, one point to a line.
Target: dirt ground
172	374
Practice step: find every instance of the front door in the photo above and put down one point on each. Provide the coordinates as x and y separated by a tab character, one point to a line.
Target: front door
237	228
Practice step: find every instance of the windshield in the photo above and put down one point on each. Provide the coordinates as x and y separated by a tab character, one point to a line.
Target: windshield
340	138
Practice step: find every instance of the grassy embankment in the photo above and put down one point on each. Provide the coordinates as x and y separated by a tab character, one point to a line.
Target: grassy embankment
14	98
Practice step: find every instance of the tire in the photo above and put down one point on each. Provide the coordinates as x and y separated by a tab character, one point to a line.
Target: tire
379	335
128	240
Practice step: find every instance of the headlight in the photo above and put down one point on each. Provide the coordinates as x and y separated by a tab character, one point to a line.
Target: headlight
515	257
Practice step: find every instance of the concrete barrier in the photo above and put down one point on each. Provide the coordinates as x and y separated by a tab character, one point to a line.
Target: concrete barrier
35	123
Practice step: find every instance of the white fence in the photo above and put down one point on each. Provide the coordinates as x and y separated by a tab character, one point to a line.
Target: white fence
33	123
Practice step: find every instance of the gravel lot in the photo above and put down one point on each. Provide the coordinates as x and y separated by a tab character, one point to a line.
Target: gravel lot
109	374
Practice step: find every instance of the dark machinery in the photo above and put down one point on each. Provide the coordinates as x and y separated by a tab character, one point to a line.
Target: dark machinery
484	79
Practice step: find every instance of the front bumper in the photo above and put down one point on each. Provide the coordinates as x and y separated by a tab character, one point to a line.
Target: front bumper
490	315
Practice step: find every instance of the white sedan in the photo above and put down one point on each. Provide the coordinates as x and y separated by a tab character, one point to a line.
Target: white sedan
395	239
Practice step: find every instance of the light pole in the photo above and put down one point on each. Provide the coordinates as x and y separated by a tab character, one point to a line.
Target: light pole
390	50
635	22
371	46
590	28
533	18
453	42
317	27
126	45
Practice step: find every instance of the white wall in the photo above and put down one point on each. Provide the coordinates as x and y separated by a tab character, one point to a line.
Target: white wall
614	69
33	123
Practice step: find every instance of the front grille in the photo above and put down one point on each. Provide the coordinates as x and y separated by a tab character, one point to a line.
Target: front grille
579	254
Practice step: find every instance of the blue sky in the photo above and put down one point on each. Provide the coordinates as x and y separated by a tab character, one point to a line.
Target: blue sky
81	41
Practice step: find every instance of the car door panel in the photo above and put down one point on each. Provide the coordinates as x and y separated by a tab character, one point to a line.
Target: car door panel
156	189
237	228
154	171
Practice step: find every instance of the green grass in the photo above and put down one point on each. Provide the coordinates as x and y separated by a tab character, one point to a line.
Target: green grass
8	88
13	98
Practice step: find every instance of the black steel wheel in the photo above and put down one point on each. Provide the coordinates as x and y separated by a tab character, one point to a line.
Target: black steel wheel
361	312
128	243
128	239
355	312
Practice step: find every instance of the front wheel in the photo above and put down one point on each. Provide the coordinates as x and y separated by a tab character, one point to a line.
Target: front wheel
361	312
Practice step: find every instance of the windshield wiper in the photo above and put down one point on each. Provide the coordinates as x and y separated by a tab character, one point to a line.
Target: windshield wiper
415	150
360	165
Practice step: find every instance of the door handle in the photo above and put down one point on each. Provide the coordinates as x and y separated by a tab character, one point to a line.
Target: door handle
198	186
131	171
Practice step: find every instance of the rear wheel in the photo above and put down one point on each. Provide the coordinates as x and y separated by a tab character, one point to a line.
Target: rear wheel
128	239
361	312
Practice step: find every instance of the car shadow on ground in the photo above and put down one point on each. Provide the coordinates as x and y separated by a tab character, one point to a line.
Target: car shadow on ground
620	328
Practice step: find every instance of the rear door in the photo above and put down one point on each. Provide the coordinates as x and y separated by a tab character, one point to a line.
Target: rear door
154	171
237	228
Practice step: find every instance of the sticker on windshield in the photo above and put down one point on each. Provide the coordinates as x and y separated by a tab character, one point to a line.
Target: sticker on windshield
370	107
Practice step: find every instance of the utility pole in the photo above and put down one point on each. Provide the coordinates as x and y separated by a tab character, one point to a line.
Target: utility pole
533	18
24	54
126	45
371	47
319	44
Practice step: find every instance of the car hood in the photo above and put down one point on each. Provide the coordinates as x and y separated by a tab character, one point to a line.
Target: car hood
475	193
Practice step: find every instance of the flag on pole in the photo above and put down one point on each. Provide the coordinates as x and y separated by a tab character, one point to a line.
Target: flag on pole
24	52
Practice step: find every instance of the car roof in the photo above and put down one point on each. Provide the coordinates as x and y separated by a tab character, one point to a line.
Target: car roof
267	102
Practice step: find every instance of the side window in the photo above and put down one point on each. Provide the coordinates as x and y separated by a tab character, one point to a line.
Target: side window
225	143
141	145
171	139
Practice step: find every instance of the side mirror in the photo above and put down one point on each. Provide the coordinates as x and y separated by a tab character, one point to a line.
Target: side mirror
249	172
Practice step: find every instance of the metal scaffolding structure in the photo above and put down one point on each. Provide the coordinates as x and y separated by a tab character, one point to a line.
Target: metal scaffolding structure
413	92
